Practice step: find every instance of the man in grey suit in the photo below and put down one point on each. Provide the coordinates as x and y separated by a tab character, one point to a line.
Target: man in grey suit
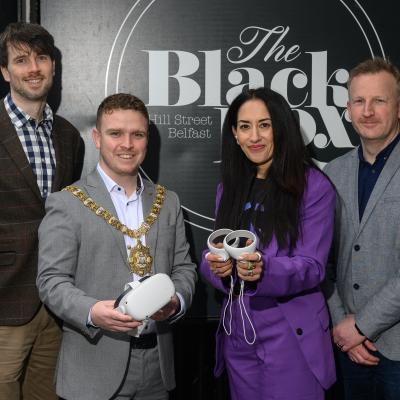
88	250
364	299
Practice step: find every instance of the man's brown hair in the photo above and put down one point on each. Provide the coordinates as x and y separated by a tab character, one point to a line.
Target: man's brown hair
373	66
121	101
22	34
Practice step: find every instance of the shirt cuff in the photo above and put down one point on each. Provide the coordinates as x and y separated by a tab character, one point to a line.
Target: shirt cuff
89	322
182	310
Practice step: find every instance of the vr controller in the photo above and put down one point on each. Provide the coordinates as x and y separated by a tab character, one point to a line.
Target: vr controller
142	298
231	243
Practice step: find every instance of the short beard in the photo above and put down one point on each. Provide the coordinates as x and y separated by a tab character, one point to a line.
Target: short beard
40	96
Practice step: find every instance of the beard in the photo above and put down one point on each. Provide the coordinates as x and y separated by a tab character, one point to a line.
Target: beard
31	94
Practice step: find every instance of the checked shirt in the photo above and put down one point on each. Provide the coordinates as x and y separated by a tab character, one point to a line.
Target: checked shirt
36	141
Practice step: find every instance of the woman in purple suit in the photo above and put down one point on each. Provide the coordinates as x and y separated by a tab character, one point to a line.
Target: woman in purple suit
273	336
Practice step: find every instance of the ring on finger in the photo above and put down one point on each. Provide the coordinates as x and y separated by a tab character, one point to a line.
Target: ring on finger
250	265
250	273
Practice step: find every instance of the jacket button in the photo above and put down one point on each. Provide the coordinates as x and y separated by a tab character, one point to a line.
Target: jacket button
357	247
356	286
299	331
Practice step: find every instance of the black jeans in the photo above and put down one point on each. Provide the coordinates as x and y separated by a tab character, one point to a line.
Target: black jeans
381	382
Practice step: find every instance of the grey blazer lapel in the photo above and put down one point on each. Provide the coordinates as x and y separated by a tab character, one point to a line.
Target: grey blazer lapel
147	201
353	189
390	168
98	192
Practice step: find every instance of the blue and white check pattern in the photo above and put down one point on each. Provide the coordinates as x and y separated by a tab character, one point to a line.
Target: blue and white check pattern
36	141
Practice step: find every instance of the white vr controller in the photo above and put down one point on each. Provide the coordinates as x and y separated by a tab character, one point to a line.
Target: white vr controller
142	298
232	250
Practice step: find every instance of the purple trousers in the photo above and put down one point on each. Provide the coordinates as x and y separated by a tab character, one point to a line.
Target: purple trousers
273	368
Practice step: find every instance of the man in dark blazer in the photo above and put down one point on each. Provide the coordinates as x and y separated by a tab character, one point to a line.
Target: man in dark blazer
364	300
90	248
39	153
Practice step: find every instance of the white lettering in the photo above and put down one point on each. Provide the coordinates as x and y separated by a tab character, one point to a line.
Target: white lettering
258	36
188	89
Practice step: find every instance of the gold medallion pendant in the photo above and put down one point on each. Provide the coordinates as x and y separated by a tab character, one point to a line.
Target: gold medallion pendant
139	259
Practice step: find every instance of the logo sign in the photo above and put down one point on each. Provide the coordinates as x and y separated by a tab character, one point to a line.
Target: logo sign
188	61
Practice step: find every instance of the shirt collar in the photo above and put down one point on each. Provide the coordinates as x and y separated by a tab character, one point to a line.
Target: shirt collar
383	154
112	185
19	117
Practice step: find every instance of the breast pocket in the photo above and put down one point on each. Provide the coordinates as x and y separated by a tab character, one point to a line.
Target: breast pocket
390	222
165	248
166	236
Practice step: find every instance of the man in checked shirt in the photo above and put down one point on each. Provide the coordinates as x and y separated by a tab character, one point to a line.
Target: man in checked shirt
39	153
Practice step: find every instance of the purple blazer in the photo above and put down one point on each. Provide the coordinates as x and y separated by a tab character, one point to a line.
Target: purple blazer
293	280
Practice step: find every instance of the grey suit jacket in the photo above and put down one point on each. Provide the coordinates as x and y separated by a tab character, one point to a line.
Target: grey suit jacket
82	260
365	273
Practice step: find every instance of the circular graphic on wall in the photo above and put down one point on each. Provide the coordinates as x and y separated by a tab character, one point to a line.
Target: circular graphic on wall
188	65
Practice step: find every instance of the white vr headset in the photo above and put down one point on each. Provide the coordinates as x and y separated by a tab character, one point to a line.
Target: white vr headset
231	243
142	298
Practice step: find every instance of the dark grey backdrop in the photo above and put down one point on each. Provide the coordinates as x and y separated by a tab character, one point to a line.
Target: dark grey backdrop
8	13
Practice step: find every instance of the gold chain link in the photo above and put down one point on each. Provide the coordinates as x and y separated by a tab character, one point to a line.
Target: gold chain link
115	222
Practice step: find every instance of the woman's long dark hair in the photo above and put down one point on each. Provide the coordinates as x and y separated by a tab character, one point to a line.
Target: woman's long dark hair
286	175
